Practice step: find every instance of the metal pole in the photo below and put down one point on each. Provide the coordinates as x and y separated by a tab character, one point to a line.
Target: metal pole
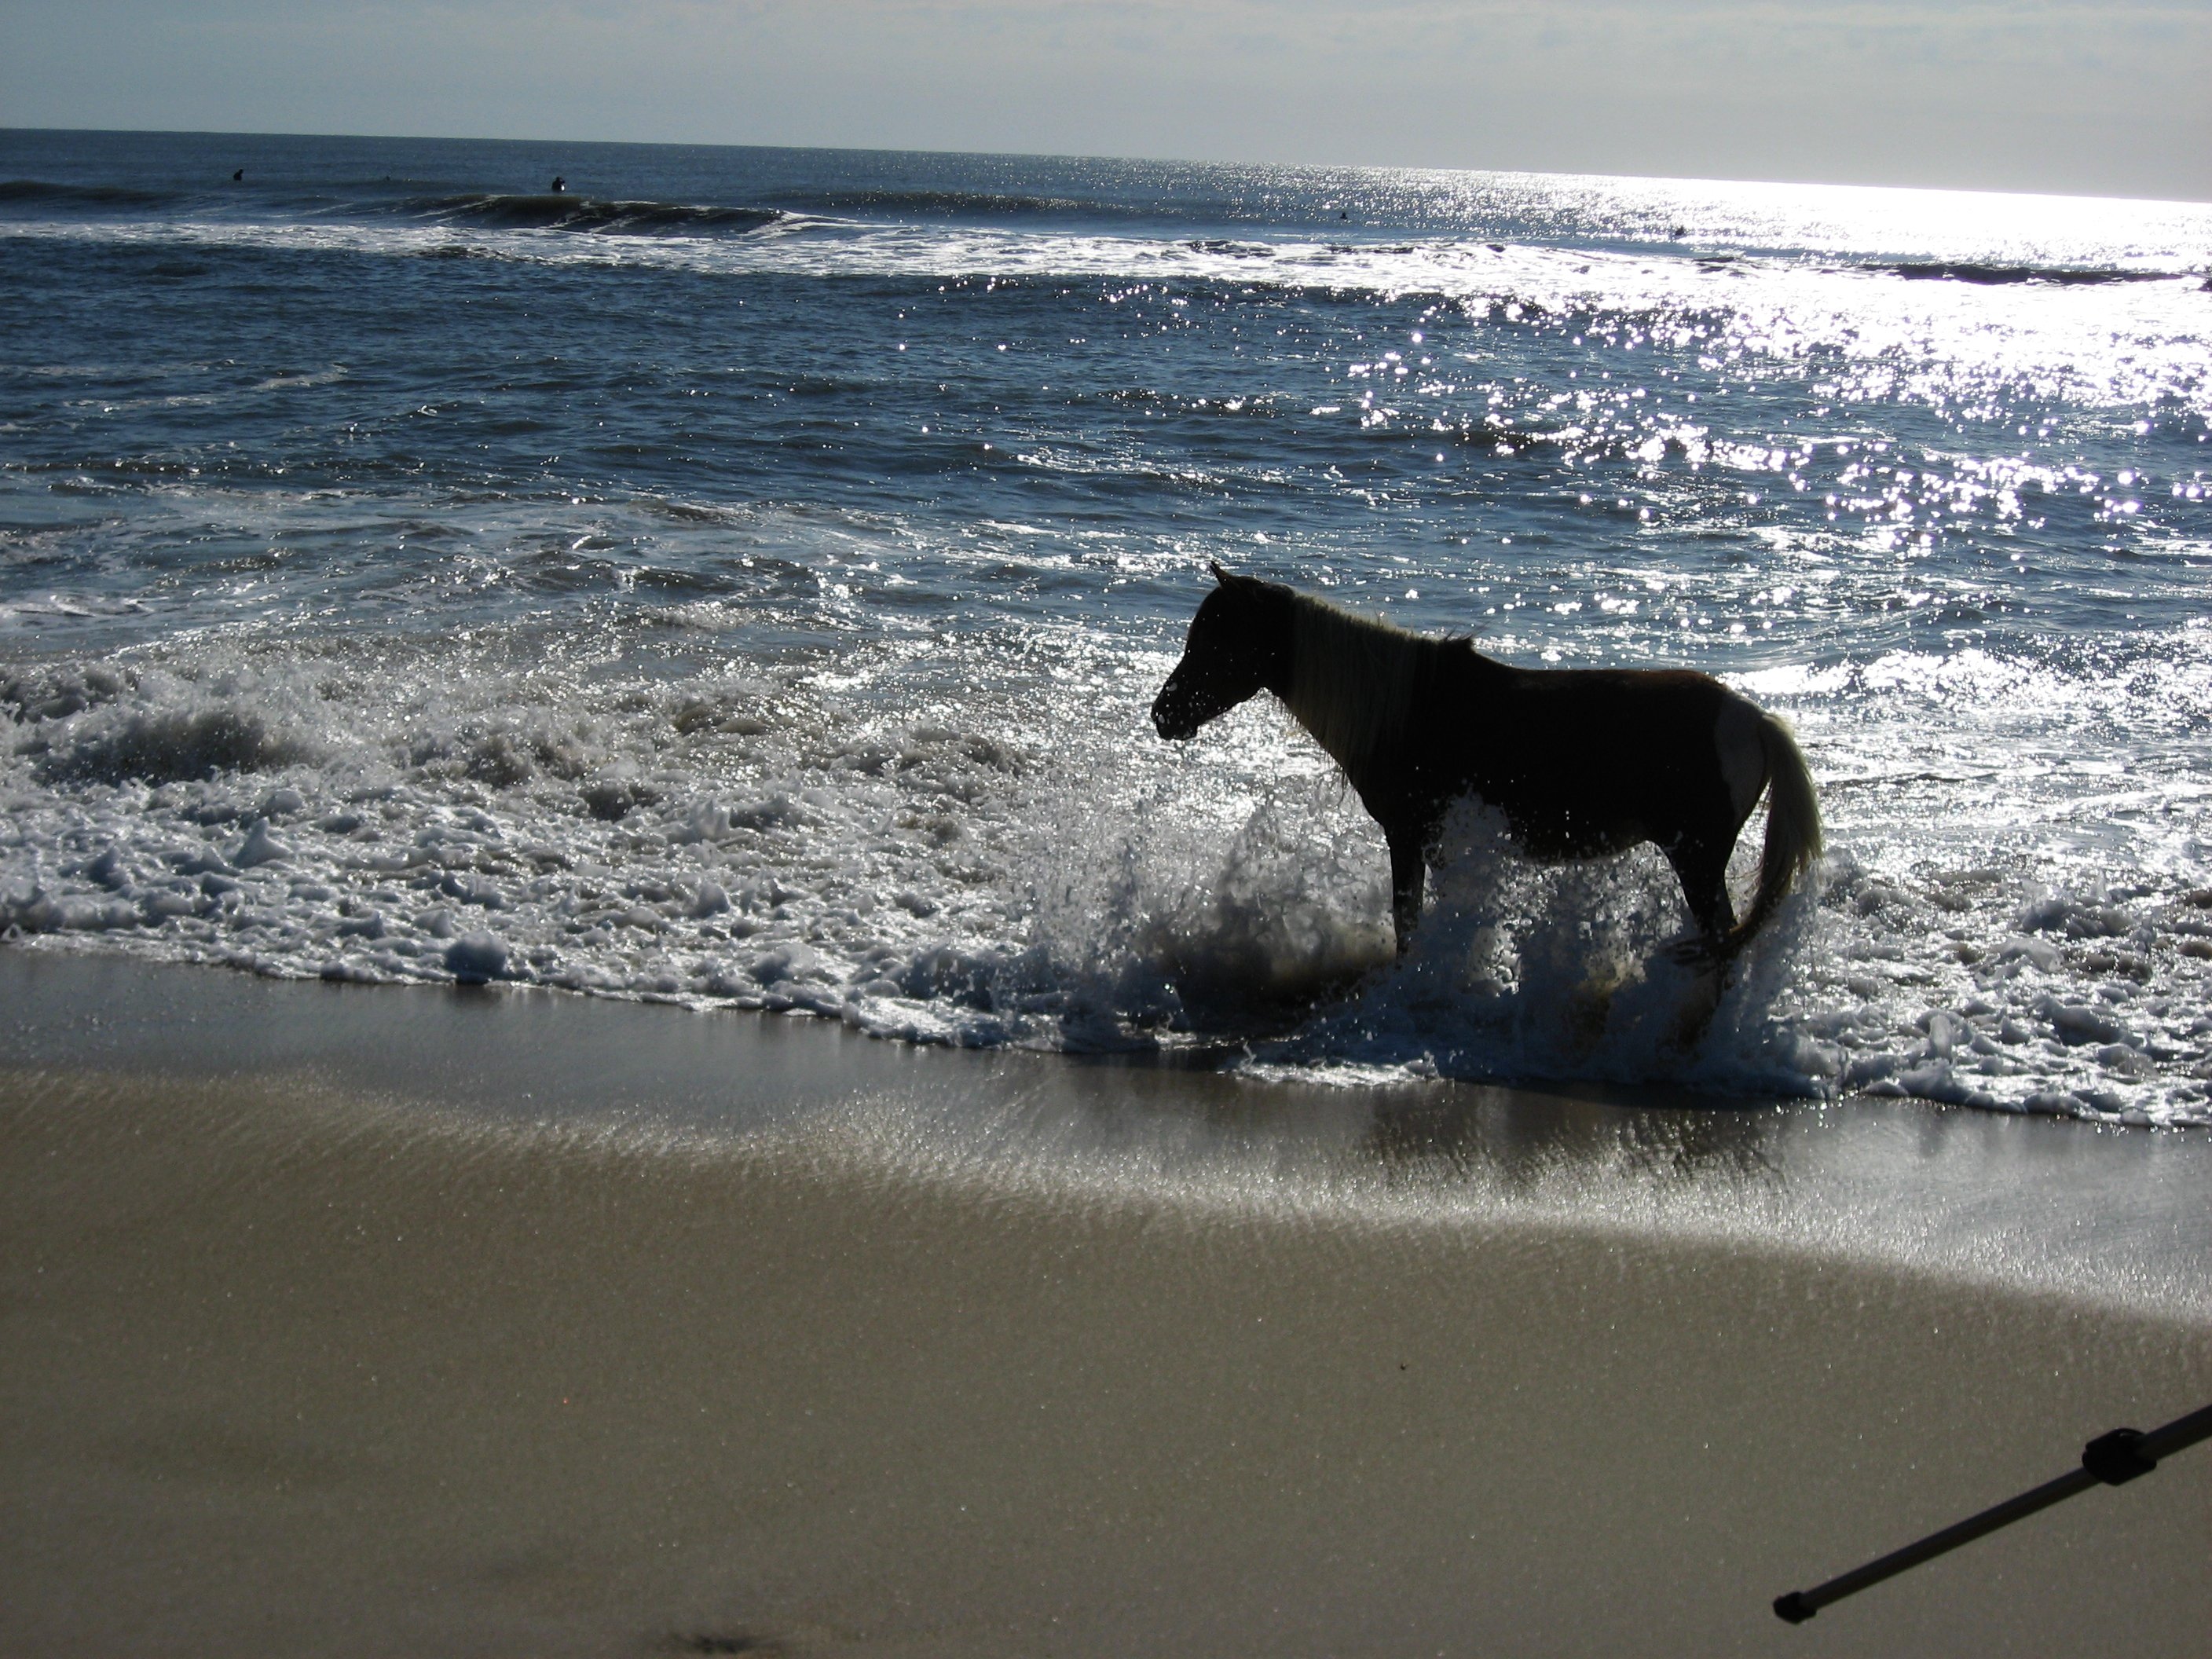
2109	1460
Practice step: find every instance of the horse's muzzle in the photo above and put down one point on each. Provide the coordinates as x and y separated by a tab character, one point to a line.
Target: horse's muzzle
1190	699
1173	717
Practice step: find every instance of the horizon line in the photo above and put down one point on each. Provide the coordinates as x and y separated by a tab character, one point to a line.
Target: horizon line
1163	161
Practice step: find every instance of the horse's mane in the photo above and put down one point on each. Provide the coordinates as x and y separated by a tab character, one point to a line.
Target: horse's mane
1352	679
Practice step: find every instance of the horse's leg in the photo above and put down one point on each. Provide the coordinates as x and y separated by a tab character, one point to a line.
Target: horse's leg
1408	870
1701	865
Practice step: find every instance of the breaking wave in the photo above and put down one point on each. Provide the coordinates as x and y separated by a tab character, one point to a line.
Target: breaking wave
1988	274
584	214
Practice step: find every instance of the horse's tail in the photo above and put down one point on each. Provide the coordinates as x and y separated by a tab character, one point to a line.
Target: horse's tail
1793	829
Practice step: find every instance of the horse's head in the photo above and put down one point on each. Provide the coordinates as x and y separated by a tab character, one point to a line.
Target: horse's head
1231	653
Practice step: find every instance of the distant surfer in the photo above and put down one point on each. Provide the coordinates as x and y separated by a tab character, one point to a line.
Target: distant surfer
559	184
239	177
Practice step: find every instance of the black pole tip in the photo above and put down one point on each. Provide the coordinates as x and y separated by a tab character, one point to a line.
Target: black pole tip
1794	1608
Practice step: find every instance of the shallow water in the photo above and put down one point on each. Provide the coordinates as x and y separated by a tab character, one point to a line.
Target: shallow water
741	579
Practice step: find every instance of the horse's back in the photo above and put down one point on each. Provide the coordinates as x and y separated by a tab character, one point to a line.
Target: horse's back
1658	714
1584	759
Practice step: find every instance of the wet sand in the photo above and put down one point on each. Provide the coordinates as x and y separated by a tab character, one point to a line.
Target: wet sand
365	1321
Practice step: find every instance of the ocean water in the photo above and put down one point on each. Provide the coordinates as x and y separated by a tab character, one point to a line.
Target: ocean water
740	578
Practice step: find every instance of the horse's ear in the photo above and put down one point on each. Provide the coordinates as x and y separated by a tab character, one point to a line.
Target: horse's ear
1220	575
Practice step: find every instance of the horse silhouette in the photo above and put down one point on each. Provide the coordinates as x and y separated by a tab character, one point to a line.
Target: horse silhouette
1582	762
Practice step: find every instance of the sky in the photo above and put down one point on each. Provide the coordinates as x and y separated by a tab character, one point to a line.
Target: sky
2072	98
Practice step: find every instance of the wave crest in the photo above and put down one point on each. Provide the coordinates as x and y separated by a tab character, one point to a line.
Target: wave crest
591	215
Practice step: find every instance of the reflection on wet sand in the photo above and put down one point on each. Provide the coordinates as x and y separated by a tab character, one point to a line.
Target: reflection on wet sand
2026	1202
1520	1136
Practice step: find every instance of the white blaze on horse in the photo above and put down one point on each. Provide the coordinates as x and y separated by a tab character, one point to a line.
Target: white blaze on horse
1581	762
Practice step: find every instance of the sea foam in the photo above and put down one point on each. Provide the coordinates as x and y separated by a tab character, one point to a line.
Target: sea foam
1026	866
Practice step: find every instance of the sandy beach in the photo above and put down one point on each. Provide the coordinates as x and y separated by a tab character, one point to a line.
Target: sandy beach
377	1322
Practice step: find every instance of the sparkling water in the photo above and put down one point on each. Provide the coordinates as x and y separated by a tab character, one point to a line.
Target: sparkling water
739	577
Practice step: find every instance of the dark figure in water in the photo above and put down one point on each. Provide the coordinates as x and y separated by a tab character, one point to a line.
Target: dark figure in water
559	185
1581	762
239	177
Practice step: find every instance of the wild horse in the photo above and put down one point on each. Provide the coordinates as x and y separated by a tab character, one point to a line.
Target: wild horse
1581	762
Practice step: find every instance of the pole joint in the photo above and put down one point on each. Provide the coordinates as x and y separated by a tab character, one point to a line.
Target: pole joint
2118	1457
